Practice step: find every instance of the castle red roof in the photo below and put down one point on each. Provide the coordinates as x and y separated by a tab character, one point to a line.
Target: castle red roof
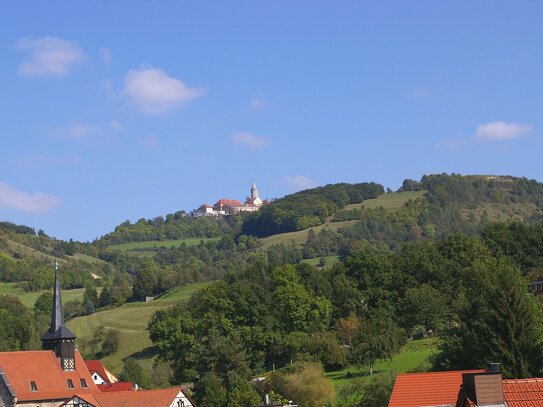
42	368
230	202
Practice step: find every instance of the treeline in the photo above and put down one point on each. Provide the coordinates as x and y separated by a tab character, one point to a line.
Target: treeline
452	204
174	226
307	208
468	290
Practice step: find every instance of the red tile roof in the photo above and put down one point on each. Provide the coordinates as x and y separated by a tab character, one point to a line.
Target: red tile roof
427	389
118	386
155	398
43	368
95	366
523	392
231	202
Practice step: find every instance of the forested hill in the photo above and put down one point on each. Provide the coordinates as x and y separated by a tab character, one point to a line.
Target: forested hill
307	208
174	226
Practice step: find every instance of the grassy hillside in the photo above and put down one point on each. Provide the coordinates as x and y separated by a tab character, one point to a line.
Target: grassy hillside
131	321
148	248
390	201
29	298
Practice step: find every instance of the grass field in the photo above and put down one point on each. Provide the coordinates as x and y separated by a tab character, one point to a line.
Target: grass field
131	321
414	355
330	260
151	245
391	201
28	299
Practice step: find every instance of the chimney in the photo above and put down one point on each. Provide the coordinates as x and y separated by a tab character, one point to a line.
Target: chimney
485	388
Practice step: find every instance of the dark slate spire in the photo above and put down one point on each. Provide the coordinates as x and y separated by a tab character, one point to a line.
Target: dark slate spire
57	330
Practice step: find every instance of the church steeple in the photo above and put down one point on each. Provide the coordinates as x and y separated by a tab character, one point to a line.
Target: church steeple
58	338
254	191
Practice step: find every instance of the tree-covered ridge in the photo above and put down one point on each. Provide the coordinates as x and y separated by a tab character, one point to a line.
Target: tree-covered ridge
469	290
174	226
307	208
451	204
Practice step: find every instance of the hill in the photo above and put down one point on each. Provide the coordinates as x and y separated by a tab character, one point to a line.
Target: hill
130	321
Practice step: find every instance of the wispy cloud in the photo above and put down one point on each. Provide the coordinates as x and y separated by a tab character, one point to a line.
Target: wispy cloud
152	91
105	55
115	125
75	131
299	182
258	103
22	201
249	139
42	160
421	93
501	130
49	56
151	142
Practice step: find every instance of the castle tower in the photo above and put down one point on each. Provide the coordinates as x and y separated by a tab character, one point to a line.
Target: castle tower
58	338
254	191
255	199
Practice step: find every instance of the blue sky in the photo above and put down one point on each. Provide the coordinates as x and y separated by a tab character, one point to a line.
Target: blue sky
116	110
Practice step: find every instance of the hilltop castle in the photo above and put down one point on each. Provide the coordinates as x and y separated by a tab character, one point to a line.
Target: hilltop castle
227	207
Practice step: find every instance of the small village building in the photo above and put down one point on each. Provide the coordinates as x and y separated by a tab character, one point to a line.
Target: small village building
58	376
474	388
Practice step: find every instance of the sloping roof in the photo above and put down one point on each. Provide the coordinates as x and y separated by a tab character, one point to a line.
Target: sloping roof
118	386
523	392
155	398
96	366
231	202
427	389
42	367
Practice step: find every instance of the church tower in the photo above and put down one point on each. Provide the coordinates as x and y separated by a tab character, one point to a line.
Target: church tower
255	199
254	191
58	338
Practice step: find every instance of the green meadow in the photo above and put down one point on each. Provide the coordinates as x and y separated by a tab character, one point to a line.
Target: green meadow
131	321
29	298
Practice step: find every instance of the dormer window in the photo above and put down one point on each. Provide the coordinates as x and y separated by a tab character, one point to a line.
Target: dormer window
70	384
33	386
84	383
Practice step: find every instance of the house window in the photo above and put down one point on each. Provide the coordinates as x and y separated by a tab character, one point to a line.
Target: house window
70	384
33	386
84	383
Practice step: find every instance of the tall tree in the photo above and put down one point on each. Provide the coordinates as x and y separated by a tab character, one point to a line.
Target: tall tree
499	321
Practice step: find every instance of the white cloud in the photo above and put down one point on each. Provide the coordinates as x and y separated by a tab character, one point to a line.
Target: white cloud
49	56
106	56
249	139
152	91
258	103
150	142
421	93
115	125
76	131
501	131
299	182
24	202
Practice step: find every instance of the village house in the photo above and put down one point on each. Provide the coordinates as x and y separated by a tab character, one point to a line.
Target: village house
58	376
472	388
225	207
